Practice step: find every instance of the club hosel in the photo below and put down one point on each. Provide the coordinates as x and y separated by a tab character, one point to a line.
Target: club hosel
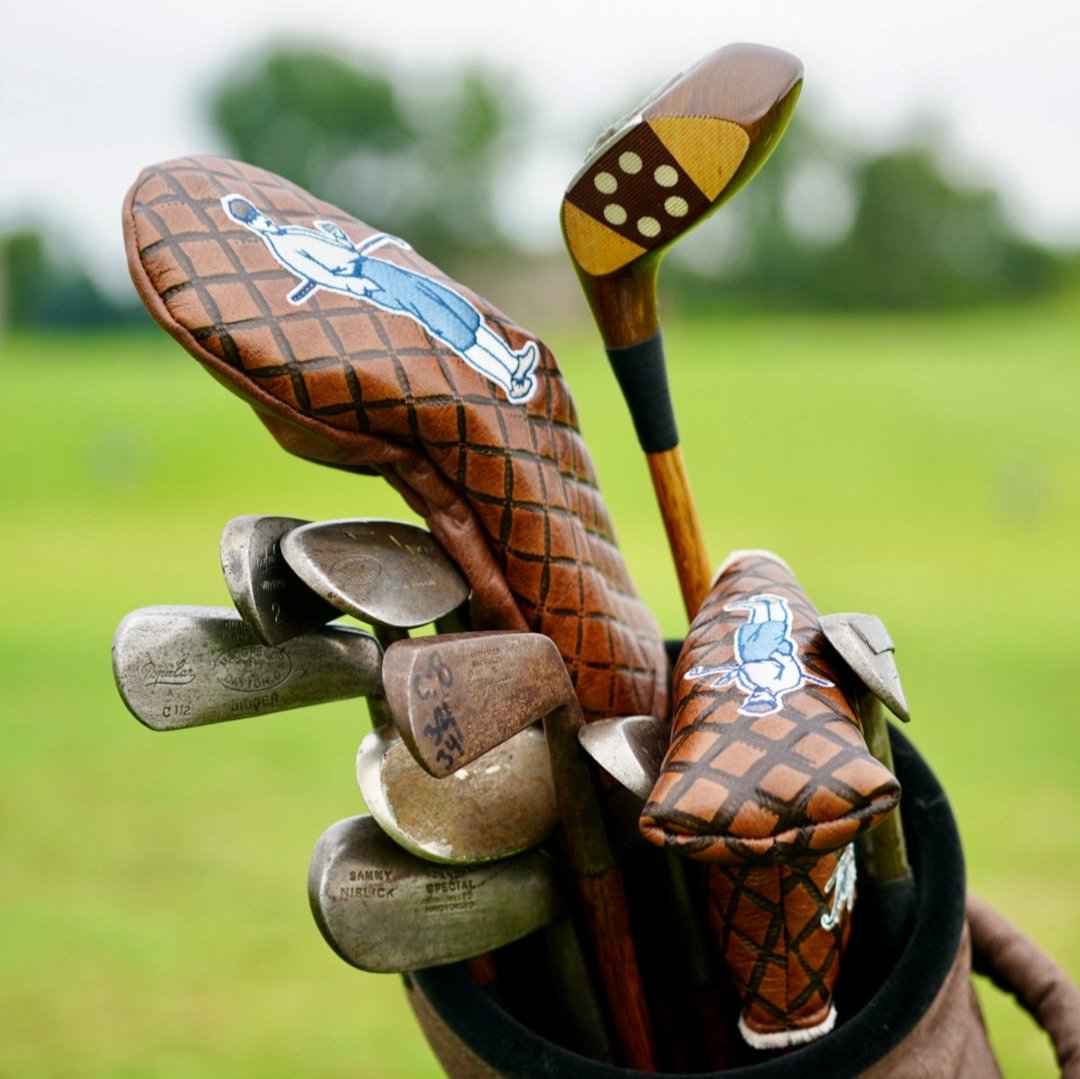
624	304
883	858
883	850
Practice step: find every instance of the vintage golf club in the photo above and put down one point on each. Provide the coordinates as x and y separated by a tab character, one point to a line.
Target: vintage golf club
391	574
866	646
630	749
646	183
457	696
502	804
178	667
383	909
395	576
272	600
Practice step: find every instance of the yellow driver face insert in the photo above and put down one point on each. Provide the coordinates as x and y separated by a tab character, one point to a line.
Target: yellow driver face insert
652	183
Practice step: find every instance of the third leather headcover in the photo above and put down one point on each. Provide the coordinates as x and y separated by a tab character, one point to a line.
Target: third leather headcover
767	762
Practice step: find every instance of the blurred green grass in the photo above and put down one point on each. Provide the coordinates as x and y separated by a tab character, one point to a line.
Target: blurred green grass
155	921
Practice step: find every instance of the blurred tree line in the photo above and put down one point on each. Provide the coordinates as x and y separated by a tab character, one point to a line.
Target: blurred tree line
824	225
830	226
42	287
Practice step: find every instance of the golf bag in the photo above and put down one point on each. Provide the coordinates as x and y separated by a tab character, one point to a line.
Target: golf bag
918	1020
383	365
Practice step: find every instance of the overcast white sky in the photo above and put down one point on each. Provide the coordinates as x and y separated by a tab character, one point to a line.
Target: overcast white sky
92	91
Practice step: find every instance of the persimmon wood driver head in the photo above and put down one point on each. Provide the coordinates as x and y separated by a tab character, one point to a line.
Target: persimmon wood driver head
665	168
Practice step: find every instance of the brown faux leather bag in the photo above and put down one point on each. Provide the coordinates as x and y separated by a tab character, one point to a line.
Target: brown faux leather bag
357	353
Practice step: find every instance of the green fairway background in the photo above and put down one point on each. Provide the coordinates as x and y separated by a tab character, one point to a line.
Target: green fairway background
154	917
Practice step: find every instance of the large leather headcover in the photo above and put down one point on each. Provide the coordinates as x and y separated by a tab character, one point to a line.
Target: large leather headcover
357	353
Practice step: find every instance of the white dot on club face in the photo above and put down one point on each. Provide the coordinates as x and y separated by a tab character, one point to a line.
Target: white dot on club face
666	176
614	214
648	226
605	183
676	206
630	162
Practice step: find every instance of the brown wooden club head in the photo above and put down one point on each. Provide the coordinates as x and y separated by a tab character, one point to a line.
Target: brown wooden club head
658	173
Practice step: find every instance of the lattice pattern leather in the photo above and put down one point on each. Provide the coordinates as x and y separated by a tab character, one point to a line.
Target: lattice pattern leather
508	488
767	762
767	923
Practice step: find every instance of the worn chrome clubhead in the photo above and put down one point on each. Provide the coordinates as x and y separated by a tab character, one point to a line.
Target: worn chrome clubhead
501	804
866	647
273	601
385	910
688	149
456	696
181	667
386	572
629	749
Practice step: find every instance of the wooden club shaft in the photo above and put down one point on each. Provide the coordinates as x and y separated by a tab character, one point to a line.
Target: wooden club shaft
685	537
600	886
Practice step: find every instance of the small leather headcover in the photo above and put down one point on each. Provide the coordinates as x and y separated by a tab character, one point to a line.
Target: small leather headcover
767	762
357	353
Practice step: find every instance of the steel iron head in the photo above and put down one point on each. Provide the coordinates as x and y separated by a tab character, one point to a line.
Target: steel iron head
495	684
866	647
382	909
270	597
389	573
501	804
179	667
629	748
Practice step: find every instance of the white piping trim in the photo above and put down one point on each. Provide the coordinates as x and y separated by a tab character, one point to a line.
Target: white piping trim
758	551
783	1039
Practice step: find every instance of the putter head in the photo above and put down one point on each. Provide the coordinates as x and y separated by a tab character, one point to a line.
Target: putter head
665	168
384	910
502	804
179	667
456	696
273	601
390	573
629	748
866	647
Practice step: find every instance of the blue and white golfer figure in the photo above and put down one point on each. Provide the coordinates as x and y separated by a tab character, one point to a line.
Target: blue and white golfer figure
766	663
324	257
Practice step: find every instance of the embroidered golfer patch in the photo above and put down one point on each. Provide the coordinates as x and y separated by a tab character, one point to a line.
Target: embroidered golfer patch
766	663
841	885
324	257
